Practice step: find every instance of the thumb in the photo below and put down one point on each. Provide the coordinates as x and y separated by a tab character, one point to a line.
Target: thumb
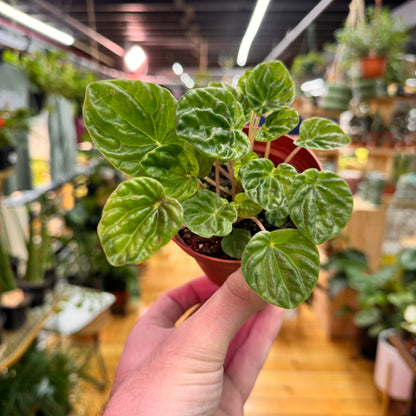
222	315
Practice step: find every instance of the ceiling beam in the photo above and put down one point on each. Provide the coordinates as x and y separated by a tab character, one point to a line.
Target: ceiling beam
299	28
107	43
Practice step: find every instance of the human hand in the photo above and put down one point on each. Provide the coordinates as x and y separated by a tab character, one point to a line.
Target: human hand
205	366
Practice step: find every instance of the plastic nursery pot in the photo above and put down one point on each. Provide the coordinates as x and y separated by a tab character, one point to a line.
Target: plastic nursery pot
15	316
373	66
36	290
400	383
8	157
50	278
217	270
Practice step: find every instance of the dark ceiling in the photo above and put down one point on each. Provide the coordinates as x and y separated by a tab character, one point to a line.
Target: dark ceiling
199	34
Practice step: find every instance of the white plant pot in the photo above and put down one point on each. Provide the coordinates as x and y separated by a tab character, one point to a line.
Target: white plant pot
400	382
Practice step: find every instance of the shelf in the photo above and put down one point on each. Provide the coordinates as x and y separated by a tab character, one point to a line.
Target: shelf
16	342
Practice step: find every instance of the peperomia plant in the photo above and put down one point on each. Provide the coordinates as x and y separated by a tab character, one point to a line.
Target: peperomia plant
175	152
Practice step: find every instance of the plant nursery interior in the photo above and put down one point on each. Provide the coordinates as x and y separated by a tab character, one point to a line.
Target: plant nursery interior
116	116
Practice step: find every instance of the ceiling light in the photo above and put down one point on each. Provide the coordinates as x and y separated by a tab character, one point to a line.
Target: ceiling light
313	88
251	31
134	58
177	68
32	23
187	80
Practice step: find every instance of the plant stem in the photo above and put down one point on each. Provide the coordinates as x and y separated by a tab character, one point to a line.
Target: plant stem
292	154
231	171
258	222
251	129
226	173
267	151
211	182
217	176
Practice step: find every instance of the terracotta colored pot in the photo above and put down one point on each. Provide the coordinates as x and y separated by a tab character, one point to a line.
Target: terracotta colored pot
215	269
282	147
218	270
373	66
120	305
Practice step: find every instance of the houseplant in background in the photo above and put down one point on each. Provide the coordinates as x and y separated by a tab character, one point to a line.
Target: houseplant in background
376	39
85	263
51	72
333	298
307	67
192	164
39	275
396	346
43	382
382	297
13	302
14	124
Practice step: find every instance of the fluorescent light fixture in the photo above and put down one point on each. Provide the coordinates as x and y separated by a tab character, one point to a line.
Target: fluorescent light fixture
134	58
251	31
313	88
35	24
187	80
177	68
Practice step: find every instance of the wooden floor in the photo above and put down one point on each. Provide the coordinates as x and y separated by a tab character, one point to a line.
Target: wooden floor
305	374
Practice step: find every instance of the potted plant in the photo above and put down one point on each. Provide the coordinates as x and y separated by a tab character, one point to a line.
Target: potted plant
392	373
86	263
333	298
39	275
192	165
45	381
376	39
13	126
308	67
13	302
381	298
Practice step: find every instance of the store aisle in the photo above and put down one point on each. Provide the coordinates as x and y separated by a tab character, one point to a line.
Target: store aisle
304	375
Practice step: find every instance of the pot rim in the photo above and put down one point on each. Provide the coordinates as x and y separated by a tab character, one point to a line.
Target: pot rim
178	240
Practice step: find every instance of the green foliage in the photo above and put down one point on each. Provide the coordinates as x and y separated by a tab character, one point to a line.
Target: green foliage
168	146
320	133
206	214
82	256
51	72
41	255
282	265
137	220
128	120
7	278
281	122
383	295
234	244
208	117
308	66
13	126
380	34
41	383
320	204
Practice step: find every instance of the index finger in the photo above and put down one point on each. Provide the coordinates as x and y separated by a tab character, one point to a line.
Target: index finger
170	306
